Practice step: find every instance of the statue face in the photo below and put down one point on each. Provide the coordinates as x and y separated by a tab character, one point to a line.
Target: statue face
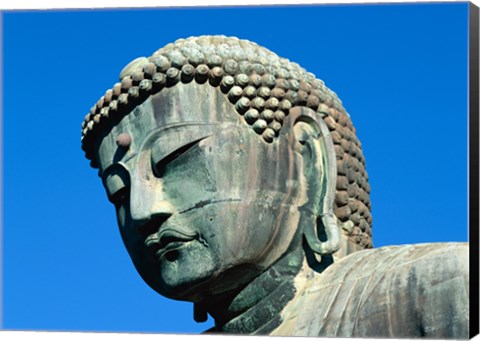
203	203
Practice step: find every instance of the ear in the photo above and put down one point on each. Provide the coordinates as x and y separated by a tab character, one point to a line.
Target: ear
314	143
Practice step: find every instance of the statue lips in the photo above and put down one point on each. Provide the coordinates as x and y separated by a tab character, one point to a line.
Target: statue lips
168	239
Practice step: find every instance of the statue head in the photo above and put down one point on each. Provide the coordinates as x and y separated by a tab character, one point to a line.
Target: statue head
220	158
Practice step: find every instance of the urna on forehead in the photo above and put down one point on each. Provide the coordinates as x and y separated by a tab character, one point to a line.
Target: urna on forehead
262	88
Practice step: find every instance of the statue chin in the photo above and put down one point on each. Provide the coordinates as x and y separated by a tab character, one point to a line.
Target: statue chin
182	272
179	262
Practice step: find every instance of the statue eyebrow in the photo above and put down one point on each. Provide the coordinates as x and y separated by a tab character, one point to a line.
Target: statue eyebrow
173	140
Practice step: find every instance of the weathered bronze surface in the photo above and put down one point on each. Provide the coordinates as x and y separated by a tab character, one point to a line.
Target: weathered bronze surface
240	185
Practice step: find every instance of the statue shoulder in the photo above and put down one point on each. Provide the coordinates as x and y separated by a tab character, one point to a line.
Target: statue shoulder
394	291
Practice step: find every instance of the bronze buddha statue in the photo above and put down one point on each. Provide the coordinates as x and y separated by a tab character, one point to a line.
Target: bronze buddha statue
240	185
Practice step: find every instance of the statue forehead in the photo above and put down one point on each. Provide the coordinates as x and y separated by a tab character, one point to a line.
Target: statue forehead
177	115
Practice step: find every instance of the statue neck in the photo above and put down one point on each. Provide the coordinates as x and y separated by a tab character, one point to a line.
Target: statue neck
256	308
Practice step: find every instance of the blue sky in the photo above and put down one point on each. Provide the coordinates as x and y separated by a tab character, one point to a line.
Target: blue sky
400	70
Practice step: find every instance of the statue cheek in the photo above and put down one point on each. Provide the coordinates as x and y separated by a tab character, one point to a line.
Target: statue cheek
190	181
246	231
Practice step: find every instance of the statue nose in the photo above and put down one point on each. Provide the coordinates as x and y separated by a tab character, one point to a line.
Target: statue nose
147	201
149	210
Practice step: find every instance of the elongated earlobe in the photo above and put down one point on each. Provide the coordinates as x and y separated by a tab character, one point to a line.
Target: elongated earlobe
199	313
332	244
319	168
